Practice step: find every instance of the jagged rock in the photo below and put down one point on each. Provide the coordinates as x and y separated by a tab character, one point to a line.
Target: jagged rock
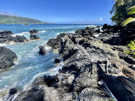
20	39
7	58
57	61
93	94
6	37
5	33
93	68
12	91
17	39
55	43
83	64
50	80
125	88
127	58
34	94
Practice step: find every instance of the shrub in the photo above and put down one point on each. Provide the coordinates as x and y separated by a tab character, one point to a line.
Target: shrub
131	50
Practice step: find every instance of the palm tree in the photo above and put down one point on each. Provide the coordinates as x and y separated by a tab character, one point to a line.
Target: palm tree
131	19
120	9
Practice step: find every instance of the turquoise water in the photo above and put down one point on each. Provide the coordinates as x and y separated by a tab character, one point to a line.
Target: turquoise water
29	63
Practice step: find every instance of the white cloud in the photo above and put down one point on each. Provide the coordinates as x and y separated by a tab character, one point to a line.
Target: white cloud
101	19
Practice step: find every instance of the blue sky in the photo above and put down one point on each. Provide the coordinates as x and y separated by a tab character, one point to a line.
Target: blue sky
61	11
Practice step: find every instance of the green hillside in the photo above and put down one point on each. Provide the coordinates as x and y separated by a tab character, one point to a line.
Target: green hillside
7	19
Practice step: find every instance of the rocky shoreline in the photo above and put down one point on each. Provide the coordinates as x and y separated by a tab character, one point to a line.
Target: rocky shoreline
7	37
7	56
96	68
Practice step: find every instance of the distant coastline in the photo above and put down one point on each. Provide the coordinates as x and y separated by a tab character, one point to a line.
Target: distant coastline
9	19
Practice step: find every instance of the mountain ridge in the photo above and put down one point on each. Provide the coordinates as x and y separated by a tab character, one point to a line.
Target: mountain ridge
12	19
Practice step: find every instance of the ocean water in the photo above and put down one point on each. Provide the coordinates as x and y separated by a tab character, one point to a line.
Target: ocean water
29	63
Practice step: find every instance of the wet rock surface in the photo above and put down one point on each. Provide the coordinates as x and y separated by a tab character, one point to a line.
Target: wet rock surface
94	69
42	50
34	94
7	37
57	60
7	58
12	91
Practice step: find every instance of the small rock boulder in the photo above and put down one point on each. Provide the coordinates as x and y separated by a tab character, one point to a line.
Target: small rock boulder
57	60
7	36
7	58
42	50
50	80
12	91
17	39
33	94
5	33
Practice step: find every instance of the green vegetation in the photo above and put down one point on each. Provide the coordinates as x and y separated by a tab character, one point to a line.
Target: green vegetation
131	50
128	21
121	11
6	19
124	15
131	12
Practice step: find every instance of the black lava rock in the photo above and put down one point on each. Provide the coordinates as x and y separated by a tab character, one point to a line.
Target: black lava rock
12	91
42	50
57	61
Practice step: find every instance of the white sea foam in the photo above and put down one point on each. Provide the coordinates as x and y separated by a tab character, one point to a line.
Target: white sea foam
3	44
52	71
27	34
47	48
20	34
71	31
91	26
43	31
65	32
6	44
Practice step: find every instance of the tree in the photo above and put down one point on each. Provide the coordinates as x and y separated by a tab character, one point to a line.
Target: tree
131	19
120	9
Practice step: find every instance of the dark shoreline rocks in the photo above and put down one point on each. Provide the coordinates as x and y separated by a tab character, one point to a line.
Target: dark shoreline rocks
94	69
7	37
42	50
57	60
12	91
7	58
